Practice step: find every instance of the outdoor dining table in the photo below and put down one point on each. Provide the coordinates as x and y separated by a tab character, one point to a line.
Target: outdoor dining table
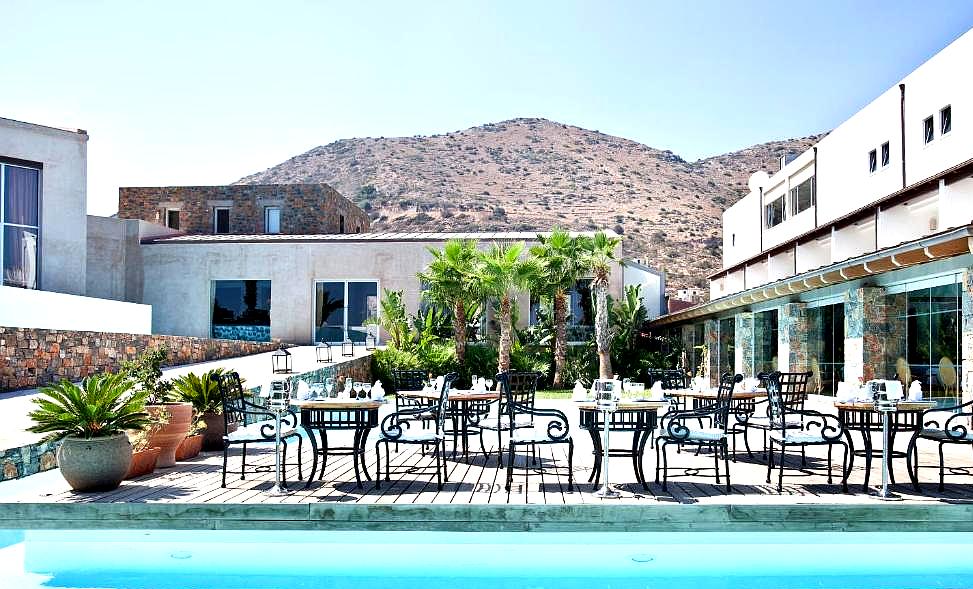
862	417
639	417
463	405
322	415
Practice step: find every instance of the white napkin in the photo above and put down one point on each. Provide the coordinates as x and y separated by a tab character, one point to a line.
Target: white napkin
481	385
915	391
657	390
440	383
700	383
893	389
378	392
579	393
303	390
845	392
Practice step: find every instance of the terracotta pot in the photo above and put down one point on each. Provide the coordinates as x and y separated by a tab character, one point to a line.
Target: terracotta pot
190	447
169	436
95	464
143	462
214	432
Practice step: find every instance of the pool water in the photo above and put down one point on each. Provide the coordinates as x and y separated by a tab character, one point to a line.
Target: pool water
196	559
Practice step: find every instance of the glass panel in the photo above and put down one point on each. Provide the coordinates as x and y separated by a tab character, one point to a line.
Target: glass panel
765	341
727	360
20	257
944	298
241	310
885	154
918	302
927	130
272	220
826	347
803	195
699	340
329	311
872	161
21	195
775	212
362	305
946	120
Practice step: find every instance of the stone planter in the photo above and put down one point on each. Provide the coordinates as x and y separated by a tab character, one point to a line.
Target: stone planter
95	464
169	436
143	462
214	432
190	447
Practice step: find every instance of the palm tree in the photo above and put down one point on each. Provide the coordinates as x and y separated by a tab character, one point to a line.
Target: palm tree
601	255
449	282
499	273
562	263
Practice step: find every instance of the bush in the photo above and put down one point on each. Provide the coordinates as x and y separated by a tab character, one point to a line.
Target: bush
389	359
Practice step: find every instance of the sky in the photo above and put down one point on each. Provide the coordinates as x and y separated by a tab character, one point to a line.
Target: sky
186	93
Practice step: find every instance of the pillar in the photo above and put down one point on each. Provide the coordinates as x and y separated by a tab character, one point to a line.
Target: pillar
966	338
711	335
743	344
792	338
875	333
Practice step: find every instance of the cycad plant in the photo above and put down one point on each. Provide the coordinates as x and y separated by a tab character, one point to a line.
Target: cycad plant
562	262
601	257
448	282
500	273
203	392
103	405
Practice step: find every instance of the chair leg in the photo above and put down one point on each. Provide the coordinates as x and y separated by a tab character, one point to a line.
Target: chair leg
829	462
439	470
570	466
912	465
283	465
300	460
243	463
726	467
780	475
665	465
746	440
378	466
770	460
942	469
445	467
844	467
716	460
226	450
500	445
510	466
533	454
804	460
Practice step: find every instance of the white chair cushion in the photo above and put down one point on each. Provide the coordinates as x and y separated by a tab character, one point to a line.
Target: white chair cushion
707	434
940	434
504	422
764	421
797	437
252	432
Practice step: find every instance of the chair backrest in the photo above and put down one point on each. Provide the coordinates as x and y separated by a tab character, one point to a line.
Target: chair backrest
442	405
724	399
408	380
776	405
793	388
674	379
517	390
232	398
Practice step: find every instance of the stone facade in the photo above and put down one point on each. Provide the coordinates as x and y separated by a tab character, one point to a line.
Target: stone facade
36	357
743	341
966	341
305	209
792	338
248	333
711	333
875	336
27	460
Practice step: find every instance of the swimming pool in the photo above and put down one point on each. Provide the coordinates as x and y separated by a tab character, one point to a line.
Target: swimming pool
196	559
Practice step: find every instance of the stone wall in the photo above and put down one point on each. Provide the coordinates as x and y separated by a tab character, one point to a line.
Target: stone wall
743	340
793	333
875	334
305	209
27	460
31	358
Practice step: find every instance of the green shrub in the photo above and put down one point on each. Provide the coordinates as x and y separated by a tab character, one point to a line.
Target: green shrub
389	359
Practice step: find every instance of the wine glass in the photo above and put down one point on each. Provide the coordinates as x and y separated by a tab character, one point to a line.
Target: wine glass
329	387
366	387
489	384
473	381
356	387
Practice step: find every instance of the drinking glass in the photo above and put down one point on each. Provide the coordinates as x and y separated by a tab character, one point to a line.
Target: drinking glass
329	387
357	387
367	389
489	384
473	381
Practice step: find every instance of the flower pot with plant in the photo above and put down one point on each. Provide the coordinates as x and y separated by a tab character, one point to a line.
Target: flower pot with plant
193	442
144	458
146	371
203	392
91	421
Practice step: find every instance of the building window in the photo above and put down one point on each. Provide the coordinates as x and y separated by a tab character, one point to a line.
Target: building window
826	347
775	212
885	154
765	341
271	219
581	315
933	326
241	310
872	161
341	223
341	309
733	240
20	189
927	130
172	218
802	196
221	220
726	357
945	120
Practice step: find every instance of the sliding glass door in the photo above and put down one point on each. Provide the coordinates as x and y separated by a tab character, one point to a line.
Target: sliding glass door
341	309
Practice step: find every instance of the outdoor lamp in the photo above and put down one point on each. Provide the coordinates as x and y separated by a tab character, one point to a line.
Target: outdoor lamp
323	352
281	360
370	341
347	348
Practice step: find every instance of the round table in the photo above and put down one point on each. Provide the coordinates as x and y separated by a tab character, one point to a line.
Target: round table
466	406
861	416
639	417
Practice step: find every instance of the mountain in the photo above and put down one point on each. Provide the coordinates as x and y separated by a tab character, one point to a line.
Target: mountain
527	174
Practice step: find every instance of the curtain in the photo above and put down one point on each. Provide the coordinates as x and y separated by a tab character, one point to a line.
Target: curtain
20	196
20	257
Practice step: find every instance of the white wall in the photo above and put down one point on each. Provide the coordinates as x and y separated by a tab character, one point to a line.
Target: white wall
909	221
653	286
741	230
813	254
63	156
50	310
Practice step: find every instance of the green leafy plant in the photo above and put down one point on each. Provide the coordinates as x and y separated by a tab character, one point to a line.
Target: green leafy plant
600	254
103	405
450	281
626	318
203	392
146	371
394	319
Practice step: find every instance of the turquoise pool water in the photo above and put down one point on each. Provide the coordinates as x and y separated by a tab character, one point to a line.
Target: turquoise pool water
439	560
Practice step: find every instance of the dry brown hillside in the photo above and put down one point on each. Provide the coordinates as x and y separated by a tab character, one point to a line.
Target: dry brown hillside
527	174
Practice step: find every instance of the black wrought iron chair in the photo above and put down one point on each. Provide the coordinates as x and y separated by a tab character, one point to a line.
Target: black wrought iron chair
410	380
812	428
793	393
393	432
247	423
956	429
673	429
523	388
543	431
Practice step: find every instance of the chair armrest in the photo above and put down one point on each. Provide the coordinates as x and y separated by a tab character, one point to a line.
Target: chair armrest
830	427
391	426
558	427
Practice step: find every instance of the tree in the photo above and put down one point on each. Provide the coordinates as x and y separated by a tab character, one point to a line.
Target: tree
562	262
600	258
499	274
449	281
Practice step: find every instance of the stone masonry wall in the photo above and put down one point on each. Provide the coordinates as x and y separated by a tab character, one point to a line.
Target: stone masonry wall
792	338
743	340
31	358
26	460
874	333
304	208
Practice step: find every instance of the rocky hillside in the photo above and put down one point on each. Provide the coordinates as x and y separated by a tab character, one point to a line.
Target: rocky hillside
527	174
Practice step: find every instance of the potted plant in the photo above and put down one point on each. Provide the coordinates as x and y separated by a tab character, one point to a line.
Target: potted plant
144	458
146	371
193	442
91	421
203	392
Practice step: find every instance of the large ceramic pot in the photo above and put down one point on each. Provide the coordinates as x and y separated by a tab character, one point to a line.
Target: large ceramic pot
169	436
143	462
95	464
214	432
190	447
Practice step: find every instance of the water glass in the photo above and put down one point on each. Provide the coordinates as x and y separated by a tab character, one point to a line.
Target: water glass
329	387
367	390
357	388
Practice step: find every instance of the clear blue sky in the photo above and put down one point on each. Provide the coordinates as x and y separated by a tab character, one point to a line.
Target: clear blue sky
206	92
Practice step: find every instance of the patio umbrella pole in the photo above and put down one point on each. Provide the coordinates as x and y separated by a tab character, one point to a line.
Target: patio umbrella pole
278	404
885	407
606	491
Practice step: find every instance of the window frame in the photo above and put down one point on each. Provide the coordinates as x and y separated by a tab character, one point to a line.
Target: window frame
928	130
267	211
873	161
38	266
216	220
945	120
168	223
794	195
782	199
885	155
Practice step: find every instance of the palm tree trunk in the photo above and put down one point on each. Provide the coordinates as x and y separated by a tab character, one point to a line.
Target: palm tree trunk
560	338
505	340
602	336
459	330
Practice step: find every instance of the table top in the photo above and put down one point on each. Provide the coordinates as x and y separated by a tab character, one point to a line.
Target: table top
870	406
711	394
454	395
336	404
624	405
